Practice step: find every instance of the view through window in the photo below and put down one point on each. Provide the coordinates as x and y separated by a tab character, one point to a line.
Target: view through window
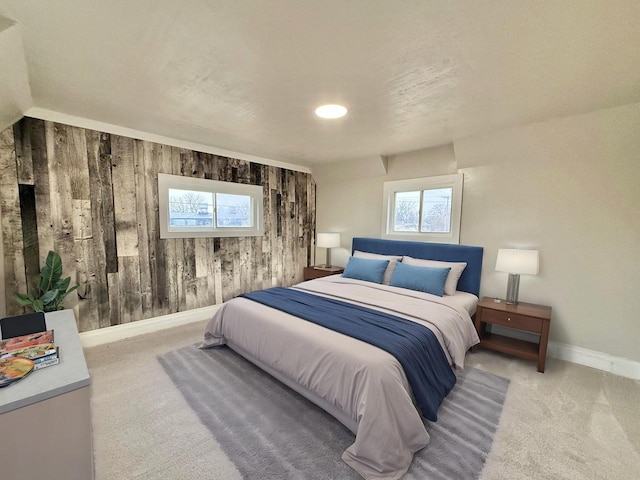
197	207
423	211
191	208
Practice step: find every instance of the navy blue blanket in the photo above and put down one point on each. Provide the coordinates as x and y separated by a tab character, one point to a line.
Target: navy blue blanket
414	345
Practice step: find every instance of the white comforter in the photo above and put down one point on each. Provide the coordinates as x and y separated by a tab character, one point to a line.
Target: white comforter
363	381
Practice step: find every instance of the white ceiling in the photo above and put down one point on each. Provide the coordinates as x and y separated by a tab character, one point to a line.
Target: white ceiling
246	75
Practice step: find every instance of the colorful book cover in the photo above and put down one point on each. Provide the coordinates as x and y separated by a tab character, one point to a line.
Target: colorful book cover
24	341
34	352
47	363
46	358
13	369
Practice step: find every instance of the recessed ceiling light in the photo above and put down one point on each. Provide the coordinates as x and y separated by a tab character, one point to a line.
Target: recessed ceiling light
331	111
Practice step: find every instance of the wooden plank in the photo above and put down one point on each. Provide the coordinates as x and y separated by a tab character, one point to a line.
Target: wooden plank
86	267
301	217
217	277
152	163
24	159
123	177
189	274
14	270
187	165
62	206
211	271
42	143
255	173
201	256
115	309
244	172
142	154
164	283
103	230
311	209
199	167
77	165
214	167
226	266
30	250
129	287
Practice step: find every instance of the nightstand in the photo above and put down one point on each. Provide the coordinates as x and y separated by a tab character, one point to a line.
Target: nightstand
527	317
316	272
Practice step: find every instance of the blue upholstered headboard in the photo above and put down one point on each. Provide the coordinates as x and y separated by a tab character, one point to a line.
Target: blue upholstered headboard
470	279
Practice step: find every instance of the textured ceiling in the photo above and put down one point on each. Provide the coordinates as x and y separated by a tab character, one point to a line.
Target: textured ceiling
246	75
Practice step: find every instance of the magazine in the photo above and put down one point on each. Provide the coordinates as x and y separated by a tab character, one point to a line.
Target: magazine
53	360
33	352
24	341
13	369
45	358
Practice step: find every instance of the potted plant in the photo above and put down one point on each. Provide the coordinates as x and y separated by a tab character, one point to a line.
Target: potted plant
52	288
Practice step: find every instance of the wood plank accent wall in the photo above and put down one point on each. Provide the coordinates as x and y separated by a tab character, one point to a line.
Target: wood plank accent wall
92	197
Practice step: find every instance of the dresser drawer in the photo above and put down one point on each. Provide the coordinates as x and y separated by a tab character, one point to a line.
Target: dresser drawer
513	320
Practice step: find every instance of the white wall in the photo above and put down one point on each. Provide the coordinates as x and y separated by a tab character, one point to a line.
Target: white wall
353	206
568	187
15	98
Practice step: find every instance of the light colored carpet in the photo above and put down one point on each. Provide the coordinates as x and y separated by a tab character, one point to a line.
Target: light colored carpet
271	432
571	422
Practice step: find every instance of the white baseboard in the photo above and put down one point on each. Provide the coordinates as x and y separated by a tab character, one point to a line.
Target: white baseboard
625	367
127	330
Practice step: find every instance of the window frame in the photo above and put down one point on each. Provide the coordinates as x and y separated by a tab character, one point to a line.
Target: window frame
453	181
178	182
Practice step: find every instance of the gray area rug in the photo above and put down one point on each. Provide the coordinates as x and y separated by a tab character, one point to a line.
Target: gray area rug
271	432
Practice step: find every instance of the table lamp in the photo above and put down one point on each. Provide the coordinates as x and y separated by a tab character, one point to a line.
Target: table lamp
328	241
516	262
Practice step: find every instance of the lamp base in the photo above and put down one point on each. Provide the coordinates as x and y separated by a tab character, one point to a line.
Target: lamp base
328	265
512	289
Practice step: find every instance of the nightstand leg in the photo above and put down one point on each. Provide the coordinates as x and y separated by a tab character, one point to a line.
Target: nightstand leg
542	352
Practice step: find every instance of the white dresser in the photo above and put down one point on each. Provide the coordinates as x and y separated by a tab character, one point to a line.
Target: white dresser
45	418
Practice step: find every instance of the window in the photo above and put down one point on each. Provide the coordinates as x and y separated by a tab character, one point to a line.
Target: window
423	209
196	207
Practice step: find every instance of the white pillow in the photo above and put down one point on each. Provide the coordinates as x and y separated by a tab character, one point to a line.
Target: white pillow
374	256
451	285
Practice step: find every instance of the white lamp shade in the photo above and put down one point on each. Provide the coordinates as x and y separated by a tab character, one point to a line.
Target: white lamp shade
328	240
517	261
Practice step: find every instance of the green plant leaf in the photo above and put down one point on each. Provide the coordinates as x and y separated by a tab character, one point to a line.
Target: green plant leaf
49	296
62	284
52	289
64	294
23	300
51	272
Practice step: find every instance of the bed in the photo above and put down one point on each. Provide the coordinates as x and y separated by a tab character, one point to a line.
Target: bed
361	385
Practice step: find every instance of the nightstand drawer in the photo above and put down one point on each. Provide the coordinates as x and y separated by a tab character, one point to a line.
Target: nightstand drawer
513	320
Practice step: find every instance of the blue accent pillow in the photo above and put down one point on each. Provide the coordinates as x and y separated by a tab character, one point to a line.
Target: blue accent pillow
423	279
364	269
